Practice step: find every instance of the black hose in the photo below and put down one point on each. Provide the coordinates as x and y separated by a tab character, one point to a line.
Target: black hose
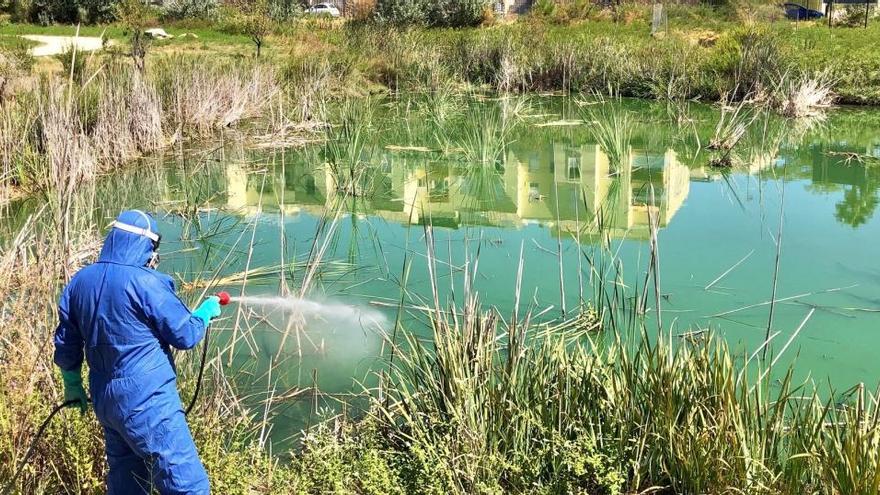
192	402
7	489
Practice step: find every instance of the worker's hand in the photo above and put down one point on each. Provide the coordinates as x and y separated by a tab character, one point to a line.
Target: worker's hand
208	310
73	389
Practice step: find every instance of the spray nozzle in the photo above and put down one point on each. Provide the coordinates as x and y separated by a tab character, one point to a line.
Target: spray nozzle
224	298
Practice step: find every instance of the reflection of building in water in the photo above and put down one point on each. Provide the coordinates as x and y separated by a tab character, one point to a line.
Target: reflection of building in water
578	188
293	187
567	188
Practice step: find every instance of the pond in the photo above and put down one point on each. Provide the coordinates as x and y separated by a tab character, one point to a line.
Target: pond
553	178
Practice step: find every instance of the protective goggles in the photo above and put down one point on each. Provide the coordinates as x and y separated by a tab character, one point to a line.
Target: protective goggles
132	229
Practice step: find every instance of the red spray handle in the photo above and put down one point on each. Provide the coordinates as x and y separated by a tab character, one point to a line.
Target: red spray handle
224	298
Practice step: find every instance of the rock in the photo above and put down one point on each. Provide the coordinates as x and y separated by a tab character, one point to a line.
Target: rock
157	34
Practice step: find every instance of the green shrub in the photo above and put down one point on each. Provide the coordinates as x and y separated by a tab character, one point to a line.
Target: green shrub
98	11
68	11
402	12
73	62
190	9
50	11
544	8
283	10
436	13
457	13
582	467
747	62
19	10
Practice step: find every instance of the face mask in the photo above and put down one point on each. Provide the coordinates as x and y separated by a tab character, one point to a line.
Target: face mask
154	256
154	260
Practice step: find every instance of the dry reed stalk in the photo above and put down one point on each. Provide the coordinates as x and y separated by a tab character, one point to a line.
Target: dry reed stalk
805	96
244	280
111	139
776	269
71	161
207	100
145	114
316	257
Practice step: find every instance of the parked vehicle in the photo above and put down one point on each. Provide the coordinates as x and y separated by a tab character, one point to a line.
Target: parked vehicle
324	9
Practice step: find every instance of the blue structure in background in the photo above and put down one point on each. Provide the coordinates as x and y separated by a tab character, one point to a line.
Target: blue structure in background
798	12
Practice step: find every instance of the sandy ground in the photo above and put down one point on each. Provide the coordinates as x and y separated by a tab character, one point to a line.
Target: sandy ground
53	45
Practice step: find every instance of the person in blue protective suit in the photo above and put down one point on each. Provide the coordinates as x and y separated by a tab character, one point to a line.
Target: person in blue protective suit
123	316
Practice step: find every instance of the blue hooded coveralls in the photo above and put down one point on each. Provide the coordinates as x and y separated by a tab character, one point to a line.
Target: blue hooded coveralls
126	316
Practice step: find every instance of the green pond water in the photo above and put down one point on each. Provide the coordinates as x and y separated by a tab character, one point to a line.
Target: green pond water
523	184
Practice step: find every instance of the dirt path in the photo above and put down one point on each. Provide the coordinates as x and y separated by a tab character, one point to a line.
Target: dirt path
53	45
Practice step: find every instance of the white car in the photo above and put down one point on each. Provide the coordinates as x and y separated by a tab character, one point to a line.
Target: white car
324	9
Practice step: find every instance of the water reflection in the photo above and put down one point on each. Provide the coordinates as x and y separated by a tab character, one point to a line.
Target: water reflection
569	189
566	185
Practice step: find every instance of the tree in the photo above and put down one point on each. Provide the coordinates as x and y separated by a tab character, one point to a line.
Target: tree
858	205
133	14
253	19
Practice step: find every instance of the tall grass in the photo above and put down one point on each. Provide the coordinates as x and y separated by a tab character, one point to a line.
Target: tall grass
203	96
494	406
348	151
109	113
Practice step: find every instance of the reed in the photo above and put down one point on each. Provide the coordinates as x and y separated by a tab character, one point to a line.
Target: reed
205	97
732	125
805	96
493	411
347	151
612	129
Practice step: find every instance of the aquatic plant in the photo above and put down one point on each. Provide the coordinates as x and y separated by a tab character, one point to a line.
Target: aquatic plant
347	151
204	97
612	129
804	96
495	404
730	129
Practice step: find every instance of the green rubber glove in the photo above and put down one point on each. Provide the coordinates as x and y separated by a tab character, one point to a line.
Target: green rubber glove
208	310
73	389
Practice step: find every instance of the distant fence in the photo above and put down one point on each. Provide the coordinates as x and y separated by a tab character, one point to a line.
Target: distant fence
829	8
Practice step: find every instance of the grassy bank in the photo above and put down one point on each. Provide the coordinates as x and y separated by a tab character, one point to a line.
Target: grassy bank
701	53
101	113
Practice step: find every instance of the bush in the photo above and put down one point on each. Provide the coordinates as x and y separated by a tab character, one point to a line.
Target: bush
190	9
457	13
73	62
439	13
19	10
584	467
854	15
402	12
748	63
362	10
49	11
283	10
67	11
97	11
563	12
